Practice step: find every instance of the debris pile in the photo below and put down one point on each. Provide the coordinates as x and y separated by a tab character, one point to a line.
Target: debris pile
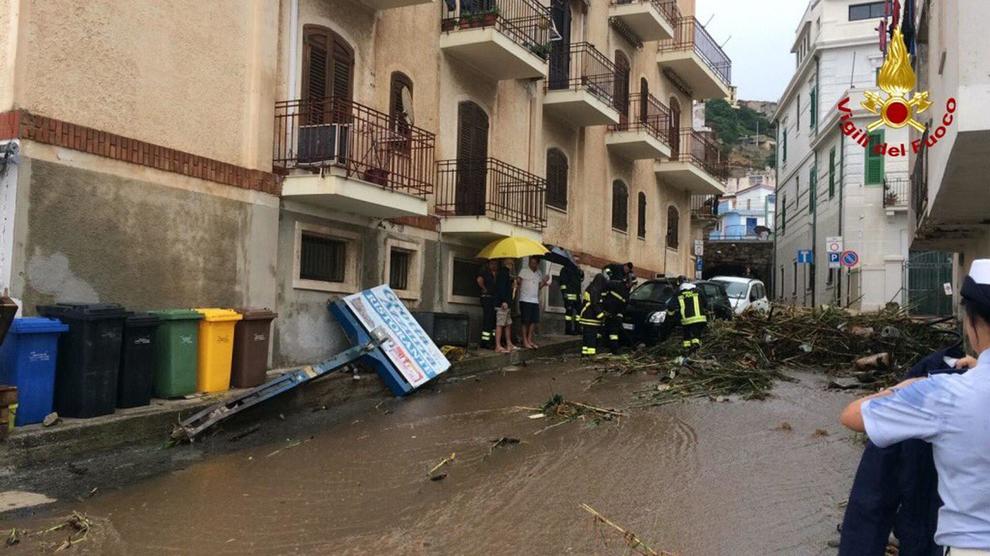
745	356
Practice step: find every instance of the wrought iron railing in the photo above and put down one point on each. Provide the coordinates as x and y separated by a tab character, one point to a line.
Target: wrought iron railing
526	22
701	149
644	113
689	33
492	188
740	232
667	8
895	192
704	206
367	144
580	66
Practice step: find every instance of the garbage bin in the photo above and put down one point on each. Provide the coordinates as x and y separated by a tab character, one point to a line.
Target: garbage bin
137	360
251	340
88	357
216	348
27	361
177	345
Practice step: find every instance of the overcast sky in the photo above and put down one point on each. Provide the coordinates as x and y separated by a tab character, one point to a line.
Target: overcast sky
760	33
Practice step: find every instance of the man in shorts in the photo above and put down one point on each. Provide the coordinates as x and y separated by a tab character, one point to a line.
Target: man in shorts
531	281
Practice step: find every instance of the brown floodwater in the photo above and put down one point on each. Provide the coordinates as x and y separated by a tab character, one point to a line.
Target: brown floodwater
695	478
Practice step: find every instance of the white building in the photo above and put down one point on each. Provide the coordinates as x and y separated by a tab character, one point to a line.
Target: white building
833	185
742	214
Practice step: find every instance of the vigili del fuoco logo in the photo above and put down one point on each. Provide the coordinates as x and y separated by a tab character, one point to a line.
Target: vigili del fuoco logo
896	106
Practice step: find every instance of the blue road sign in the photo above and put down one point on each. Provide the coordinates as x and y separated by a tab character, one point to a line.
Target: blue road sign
833	260
699	264
849	259
805	256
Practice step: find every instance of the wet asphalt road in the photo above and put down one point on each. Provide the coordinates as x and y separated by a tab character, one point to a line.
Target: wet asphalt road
696	478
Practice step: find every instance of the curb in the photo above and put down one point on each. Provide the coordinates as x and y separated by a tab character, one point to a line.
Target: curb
75	438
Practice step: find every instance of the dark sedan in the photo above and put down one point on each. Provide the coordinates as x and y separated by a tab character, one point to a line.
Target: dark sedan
645	317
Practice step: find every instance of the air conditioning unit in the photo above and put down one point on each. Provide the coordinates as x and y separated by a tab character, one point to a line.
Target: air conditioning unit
322	144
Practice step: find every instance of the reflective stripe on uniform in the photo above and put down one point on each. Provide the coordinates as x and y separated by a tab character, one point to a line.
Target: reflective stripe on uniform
613	337
617	295
686	343
696	314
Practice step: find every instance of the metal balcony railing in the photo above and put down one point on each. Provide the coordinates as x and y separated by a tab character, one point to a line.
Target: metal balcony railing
580	66
368	144
526	22
701	149
895	192
643	113
704	206
740	232
689	33
491	188
667	8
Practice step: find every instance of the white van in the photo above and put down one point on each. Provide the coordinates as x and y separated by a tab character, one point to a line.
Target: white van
745	293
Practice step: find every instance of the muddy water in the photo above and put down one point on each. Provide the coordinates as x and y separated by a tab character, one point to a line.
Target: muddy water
697	478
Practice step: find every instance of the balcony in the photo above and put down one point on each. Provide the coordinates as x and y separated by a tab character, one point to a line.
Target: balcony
504	39
696	164
643	131
389	4
487	198
581	86
696	60
895	194
704	207
741	232
341	155
650	20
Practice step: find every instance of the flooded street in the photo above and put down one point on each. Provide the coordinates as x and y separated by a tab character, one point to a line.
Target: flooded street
695	478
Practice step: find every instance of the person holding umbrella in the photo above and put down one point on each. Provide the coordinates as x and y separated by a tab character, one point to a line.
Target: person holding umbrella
507	248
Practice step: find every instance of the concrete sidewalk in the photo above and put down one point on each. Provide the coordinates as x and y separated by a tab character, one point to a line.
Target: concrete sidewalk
75	438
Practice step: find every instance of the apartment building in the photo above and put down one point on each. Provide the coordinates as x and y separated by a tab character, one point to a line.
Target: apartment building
746	214
314	148
949	200
829	184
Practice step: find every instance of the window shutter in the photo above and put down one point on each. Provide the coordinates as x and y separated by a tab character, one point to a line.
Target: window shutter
343	69
784	149
813	112
620	206
813	189
831	173
641	225
556	179
874	161
672	226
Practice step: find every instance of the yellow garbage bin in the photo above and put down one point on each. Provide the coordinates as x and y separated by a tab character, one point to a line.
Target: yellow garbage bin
216	347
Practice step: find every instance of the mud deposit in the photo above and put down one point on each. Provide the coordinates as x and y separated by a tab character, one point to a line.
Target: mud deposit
696	478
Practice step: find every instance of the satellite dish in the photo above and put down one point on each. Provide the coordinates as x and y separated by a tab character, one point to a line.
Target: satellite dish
407	105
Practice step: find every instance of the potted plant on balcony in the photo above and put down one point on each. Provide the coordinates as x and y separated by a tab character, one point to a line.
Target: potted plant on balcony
485	18
375	175
448	24
889	199
541	50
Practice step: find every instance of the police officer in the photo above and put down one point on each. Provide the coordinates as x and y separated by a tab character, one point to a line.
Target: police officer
690	308
571	279
614	302
592	313
486	283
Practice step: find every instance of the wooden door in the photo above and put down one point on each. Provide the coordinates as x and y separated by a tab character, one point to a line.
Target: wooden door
472	156
560	51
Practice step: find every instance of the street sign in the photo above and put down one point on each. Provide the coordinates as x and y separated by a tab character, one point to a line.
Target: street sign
699	247
805	256
699	264
833	244
849	259
833	260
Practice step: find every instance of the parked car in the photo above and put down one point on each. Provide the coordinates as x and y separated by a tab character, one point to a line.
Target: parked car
745	293
717	298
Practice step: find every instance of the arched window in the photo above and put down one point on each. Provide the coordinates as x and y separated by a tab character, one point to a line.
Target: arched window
328	71
673	223
621	99
641	225
675	128
557	179
620	206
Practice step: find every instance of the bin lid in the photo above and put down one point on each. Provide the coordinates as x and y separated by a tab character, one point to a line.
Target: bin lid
142	319
176	314
37	325
256	313
83	311
211	314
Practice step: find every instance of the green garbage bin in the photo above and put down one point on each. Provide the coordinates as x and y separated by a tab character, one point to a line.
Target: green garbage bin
177	338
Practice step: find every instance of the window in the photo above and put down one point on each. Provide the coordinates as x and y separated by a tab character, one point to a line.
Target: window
830	279
400	109
783	146
328	71
870	10
831	173
620	206
874	160
797	116
322	259
641	225
811	276
794	289
399	265
463	283
620	100
749	204
557	179
783	214
813	108
672	226
812	189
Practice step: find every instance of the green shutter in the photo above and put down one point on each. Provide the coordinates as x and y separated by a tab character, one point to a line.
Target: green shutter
783	216
874	161
784	156
812	189
831	173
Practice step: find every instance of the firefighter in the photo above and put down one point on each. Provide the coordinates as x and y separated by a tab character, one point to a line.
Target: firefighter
614	302
592	314
571	278
690	308
486	284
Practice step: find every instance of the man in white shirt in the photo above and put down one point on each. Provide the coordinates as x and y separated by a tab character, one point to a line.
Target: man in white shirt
531	281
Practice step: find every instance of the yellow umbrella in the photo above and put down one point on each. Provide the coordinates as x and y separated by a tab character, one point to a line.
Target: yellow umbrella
512	248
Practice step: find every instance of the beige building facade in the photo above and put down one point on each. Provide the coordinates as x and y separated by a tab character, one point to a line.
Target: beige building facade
315	148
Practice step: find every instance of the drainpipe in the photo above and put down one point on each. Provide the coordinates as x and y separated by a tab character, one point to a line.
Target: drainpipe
293	47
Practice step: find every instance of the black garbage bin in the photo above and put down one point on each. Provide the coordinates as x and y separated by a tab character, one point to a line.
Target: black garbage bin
137	360
88	357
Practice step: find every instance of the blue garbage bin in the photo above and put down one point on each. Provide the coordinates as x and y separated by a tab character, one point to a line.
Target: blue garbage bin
27	361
